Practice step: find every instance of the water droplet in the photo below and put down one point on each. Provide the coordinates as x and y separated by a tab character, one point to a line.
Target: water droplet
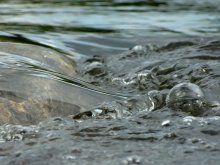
139	49
132	160
17	132
188	120
110	110
122	81
113	133
165	123
18	137
69	157
187	97
200	121
97	111
149	102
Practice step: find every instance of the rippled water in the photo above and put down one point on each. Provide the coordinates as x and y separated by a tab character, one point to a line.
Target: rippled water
109	82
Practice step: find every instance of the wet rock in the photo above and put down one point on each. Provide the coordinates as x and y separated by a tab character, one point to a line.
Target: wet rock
35	84
46	57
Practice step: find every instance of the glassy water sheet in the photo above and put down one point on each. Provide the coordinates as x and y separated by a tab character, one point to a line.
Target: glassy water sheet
37	83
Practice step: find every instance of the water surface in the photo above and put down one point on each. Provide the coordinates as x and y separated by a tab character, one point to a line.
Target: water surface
125	57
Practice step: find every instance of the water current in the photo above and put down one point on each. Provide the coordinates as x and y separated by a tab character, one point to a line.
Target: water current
109	82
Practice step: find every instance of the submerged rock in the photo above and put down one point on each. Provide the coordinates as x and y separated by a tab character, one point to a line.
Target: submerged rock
35	84
37	56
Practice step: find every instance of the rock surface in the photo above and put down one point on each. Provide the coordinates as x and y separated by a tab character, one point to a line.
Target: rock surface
33	87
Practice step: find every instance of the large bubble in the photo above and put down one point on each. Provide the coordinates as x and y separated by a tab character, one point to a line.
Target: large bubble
187	97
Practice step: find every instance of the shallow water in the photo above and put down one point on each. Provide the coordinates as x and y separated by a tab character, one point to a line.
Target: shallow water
126	56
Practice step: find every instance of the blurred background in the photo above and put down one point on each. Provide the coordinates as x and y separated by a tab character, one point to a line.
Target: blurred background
88	27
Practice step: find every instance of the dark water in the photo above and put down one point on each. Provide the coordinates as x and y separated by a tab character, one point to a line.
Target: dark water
124	58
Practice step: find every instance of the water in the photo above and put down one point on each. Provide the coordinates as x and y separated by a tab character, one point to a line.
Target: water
88	82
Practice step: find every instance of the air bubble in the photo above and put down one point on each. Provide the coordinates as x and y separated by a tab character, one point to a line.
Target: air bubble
187	97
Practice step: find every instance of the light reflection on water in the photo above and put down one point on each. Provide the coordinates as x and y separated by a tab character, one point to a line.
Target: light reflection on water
72	26
136	19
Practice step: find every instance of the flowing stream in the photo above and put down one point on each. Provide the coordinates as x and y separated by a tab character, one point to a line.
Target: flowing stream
109	82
